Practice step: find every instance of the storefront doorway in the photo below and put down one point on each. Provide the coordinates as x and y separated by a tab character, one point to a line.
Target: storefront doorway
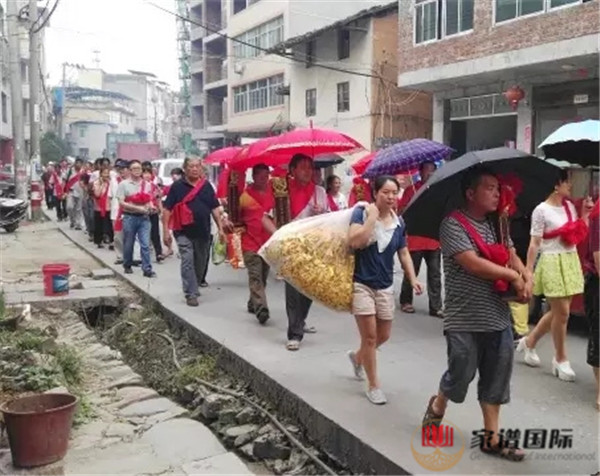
483	133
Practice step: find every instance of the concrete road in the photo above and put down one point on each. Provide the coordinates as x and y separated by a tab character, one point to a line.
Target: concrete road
410	367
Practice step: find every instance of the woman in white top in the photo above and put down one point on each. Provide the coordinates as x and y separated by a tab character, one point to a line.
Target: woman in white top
555	230
337	200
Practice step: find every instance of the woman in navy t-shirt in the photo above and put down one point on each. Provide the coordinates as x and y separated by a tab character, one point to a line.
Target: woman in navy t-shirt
377	234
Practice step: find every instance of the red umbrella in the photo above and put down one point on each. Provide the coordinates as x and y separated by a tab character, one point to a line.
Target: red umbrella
311	142
252	154
361	165
222	156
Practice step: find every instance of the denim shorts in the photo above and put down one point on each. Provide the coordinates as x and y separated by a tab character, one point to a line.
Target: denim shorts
489	353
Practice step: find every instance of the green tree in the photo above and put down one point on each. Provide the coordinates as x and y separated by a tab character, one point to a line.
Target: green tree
53	148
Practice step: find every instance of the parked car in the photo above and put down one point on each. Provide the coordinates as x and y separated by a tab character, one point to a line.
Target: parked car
164	167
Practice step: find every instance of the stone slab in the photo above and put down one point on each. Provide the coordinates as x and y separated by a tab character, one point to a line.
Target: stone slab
182	440
36	286
129	395
148	408
228	463
102	273
120	458
76	297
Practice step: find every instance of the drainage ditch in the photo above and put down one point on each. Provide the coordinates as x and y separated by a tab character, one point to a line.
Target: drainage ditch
170	363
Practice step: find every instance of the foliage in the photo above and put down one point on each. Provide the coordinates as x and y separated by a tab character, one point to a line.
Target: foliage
70	363
202	367
53	148
85	411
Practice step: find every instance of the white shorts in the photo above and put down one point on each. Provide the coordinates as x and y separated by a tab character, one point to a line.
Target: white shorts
373	302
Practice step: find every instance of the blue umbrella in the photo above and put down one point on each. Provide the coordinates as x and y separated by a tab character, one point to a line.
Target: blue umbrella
404	156
576	142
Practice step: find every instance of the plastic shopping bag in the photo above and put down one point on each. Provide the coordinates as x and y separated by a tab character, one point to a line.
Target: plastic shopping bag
235	255
313	256
219	252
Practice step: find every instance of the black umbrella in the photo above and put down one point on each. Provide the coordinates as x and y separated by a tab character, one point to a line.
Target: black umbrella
441	194
327	160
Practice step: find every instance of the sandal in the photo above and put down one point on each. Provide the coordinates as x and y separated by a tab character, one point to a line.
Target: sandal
510	454
430	417
293	345
407	308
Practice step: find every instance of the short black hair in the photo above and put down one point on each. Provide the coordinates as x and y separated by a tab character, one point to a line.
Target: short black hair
423	164
561	176
259	167
472	178
296	159
177	170
79	160
381	180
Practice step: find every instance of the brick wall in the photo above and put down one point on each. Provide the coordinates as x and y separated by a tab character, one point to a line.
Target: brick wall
488	39
407	113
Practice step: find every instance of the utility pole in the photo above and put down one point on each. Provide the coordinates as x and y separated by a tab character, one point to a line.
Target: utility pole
63	101
16	92
34	111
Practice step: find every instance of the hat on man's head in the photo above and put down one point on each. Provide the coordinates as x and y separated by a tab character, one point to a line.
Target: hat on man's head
121	164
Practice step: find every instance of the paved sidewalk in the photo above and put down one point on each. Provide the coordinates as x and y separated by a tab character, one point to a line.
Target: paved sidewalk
410	366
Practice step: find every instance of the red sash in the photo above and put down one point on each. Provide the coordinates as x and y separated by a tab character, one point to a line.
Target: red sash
102	201
72	181
332	205
140	198
300	196
496	252
181	215
58	188
571	233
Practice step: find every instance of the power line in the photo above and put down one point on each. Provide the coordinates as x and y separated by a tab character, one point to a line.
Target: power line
265	50
47	19
39	17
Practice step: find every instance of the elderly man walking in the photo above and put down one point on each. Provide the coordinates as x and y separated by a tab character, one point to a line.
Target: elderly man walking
188	209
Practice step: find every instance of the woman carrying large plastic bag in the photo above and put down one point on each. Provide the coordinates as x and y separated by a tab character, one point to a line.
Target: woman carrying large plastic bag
376	234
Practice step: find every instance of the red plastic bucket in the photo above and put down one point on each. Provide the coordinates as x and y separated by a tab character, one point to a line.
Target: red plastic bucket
56	279
38	428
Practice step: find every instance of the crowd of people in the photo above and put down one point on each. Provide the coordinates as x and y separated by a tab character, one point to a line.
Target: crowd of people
124	204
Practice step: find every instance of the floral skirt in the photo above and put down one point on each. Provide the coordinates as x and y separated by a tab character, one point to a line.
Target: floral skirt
558	275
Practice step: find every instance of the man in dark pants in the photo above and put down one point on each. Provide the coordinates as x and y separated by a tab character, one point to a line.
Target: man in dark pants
256	205
422	249
306	200
188	208
477	324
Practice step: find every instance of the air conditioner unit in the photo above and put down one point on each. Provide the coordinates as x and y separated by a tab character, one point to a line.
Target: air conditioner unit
238	68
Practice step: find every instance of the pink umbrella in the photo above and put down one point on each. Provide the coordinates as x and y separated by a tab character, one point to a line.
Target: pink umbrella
222	156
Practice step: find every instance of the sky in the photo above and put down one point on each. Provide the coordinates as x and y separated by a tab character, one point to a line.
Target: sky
129	34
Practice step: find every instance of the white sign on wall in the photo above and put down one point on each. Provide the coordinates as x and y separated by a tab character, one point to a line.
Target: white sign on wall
580	99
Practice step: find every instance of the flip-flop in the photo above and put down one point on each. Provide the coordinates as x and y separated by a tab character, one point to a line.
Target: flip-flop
510	454
407	308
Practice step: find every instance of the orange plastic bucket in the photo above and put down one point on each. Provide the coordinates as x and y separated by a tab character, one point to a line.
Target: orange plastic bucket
56	279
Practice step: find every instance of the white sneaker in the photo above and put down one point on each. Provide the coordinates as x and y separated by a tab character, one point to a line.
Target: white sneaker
530	358
359	371
563	370
376	396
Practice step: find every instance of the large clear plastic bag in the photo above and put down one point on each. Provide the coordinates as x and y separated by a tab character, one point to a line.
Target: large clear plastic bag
313	256
219	251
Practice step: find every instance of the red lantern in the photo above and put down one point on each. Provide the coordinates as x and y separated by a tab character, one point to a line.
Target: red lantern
513	95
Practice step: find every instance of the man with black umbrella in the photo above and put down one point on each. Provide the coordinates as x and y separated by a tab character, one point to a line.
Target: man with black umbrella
477	322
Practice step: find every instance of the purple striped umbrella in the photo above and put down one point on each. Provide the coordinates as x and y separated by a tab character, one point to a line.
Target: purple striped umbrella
404	156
